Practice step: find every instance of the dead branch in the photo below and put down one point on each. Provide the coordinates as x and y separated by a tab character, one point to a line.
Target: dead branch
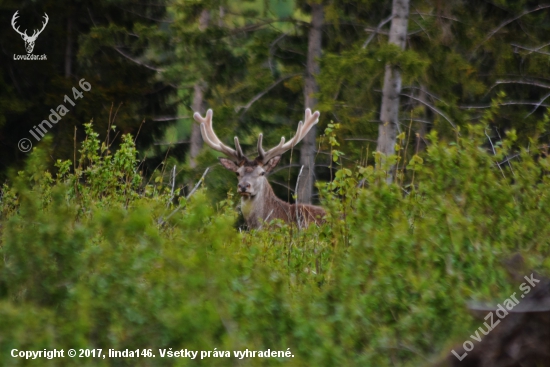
537	105
433	108
376	31
531	50
198	183
170	118
505	23
162	221
260	95
117	49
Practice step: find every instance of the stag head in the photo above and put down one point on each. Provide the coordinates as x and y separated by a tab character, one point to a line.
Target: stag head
29	40
251	174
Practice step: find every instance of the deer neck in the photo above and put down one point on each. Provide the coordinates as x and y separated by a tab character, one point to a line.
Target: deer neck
256	208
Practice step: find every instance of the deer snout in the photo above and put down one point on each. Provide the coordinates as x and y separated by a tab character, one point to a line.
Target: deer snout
243	186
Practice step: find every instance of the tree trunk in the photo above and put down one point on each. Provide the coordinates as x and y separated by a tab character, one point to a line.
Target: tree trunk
389	112
307	150
198	102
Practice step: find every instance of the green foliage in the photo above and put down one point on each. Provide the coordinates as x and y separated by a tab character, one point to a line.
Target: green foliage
98	258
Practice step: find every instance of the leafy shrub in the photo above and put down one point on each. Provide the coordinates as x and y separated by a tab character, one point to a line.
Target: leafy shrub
98	258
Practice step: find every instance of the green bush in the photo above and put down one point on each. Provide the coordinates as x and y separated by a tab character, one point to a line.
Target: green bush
99	258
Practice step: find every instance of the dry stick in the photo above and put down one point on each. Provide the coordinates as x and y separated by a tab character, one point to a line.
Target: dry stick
522	81
376	31
261	94
283	167
435	15
361	157
296	204
266	218
508	103
505	23
114	139
431	108
361	183
531	50
537	105
428	93
494	152
419	26
162	221
111	120
116	112
164	162
172	143
170	118
289	190
151	176
142	122
173	179
269	215
198	183
507	160
109	124
405	154
136	61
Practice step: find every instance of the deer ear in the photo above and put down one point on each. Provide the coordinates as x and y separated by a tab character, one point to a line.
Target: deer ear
272	163
229	164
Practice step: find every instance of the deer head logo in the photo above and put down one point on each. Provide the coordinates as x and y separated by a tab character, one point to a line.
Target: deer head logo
29	40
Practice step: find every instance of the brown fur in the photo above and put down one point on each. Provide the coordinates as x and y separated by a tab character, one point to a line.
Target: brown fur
266	207
259	204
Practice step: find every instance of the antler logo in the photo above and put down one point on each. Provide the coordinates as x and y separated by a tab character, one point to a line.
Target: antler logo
29	40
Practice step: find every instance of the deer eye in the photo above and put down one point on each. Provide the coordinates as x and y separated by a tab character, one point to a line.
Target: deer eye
262	174
237	173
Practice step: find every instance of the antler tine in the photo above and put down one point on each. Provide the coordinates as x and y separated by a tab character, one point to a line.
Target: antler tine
45	22
302	130
238	148
261	152
13	19
212	140
36	31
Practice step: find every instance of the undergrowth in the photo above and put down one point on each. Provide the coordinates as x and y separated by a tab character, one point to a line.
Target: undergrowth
96	256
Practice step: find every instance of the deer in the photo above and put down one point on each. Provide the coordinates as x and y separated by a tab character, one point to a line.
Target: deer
259	204
29	40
